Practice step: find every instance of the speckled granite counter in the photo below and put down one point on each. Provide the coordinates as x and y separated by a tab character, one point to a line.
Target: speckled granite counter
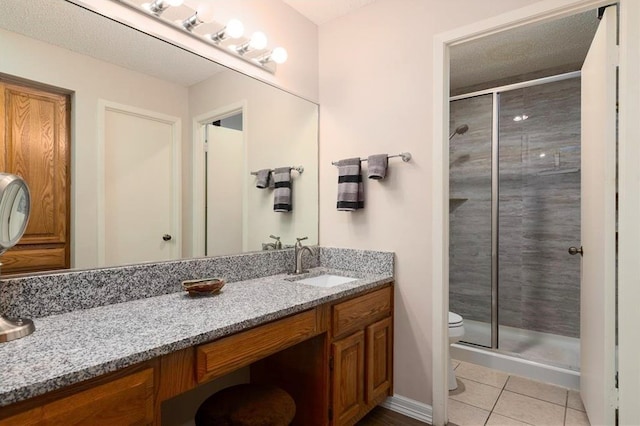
74	346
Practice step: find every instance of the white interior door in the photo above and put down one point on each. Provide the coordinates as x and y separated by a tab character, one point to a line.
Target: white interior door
597	298
140	192
225	181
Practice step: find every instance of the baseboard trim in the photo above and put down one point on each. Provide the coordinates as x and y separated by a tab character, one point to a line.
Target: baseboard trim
410	408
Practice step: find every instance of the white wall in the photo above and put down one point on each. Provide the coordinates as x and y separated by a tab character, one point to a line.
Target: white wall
376	71
281	131
90	80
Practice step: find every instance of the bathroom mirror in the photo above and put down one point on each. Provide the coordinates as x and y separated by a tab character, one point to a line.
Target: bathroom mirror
103	68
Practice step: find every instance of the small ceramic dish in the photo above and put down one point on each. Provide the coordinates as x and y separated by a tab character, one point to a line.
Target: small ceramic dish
203	287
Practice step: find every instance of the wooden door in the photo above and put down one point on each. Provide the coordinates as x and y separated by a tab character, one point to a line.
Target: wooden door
348	378
34	137
379	359
598	227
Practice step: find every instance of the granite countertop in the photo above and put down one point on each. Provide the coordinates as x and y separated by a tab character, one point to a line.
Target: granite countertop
75	346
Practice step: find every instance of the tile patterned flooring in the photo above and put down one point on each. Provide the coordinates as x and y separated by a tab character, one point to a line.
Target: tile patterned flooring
489	397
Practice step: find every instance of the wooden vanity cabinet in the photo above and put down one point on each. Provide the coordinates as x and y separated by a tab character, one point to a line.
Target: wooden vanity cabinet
335	360
361	355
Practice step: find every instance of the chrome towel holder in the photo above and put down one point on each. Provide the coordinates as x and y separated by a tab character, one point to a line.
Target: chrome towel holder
406	157
299	169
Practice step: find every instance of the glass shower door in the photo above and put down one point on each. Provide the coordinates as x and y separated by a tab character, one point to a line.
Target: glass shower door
539	216
470	216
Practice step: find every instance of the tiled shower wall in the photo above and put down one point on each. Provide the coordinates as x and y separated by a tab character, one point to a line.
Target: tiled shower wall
539	208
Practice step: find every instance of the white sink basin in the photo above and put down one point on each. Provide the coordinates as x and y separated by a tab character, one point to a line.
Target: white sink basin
326	280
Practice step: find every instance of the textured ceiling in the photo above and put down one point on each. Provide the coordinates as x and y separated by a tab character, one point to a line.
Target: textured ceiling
321	11
524	50
69	26
519	51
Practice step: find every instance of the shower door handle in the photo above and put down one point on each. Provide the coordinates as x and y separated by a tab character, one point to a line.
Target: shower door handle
573	251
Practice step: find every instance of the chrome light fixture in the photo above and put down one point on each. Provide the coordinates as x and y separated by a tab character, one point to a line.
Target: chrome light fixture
233	29
278	55
258	42
203	14
253	50
158	6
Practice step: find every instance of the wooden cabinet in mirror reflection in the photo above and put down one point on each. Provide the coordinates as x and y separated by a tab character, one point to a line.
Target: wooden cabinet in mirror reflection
35	144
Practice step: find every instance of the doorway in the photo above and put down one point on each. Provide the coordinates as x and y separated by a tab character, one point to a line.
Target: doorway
219	164
549	11
224	186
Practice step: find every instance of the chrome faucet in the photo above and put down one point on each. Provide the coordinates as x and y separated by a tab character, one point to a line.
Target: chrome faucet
299	249
277	245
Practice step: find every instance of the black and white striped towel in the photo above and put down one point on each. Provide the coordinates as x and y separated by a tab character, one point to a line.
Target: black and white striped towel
350	186
282	192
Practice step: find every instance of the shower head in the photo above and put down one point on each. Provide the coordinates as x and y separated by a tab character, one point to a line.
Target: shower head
460	130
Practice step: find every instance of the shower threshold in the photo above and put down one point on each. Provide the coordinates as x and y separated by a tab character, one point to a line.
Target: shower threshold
541	356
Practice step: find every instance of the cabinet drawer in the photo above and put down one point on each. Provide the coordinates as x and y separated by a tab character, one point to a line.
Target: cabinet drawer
355	314
230	353
125	401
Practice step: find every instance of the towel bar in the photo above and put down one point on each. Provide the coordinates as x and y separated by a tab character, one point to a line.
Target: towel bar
298	169
406	156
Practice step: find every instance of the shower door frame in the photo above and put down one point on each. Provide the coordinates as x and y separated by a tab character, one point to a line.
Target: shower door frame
628	178
495	173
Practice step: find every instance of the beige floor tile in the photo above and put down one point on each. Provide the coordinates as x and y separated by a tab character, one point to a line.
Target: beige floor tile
461	414
539	390
575	401
455	363
476	394
481	374
576	418
498	420
529	410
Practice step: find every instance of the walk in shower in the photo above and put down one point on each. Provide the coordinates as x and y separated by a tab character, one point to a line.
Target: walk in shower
514	211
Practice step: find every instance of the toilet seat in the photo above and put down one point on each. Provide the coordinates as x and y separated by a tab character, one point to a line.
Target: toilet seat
455	320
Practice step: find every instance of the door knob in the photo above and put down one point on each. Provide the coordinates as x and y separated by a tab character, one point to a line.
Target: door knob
573	251
166	237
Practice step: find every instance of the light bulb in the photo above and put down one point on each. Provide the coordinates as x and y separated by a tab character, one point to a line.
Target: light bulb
279	55
234	28
258	41
205	13
174	3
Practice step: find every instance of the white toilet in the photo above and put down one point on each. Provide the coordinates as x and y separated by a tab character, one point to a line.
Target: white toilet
456	331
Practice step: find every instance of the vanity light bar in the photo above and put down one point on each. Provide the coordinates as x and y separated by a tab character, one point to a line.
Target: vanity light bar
233	30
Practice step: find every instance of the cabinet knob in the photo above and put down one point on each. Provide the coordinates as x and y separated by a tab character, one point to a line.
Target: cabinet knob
166	237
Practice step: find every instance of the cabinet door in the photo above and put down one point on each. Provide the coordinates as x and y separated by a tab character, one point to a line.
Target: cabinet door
125	401
379	359
34	144
348	378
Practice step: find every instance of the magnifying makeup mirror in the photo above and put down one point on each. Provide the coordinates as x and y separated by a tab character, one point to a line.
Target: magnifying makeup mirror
15	204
